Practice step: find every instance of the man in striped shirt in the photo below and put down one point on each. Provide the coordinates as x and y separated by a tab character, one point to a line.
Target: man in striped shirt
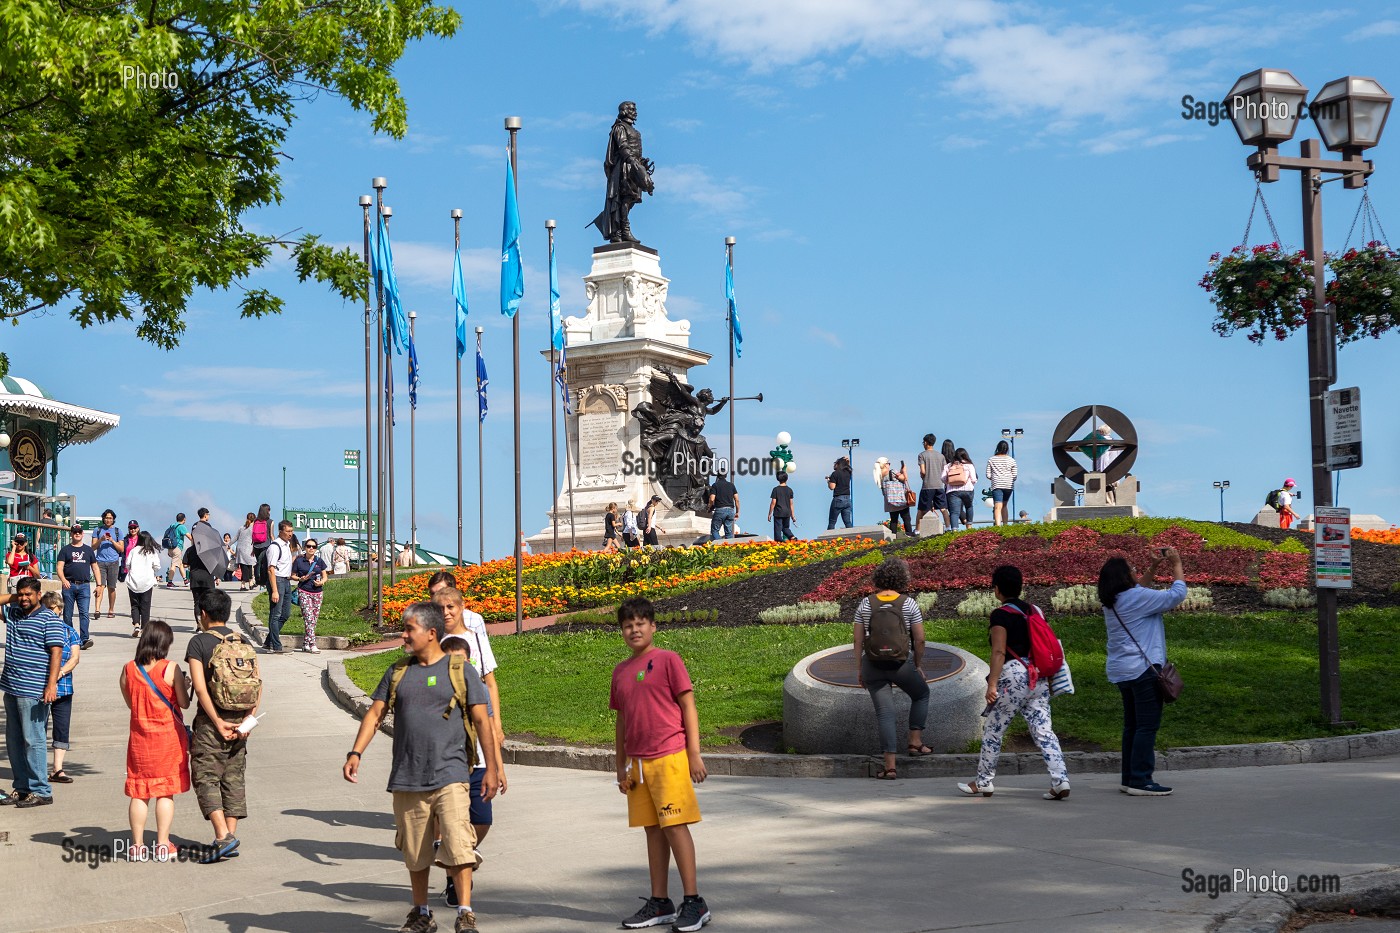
33	656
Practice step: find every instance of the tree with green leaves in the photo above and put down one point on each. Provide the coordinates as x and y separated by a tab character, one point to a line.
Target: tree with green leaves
136	135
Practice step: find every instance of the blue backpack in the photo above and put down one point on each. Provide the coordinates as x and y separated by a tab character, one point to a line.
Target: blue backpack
167	540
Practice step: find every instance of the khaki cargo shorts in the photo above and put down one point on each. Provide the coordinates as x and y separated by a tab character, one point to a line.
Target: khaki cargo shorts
420	816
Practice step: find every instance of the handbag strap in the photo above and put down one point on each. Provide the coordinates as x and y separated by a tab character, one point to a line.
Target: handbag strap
179	720
1114	610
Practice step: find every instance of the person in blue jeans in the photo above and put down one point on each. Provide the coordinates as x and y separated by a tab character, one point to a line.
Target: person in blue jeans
724	503
76	561
33	656
279	557
1137	647
839	482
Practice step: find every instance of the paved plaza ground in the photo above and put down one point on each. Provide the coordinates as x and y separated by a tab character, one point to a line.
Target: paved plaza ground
775	854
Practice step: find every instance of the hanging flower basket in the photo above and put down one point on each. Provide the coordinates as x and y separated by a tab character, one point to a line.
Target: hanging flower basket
1365	290
1259	289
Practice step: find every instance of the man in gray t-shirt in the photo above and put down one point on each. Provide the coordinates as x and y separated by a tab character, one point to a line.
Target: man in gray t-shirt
430	773
931	464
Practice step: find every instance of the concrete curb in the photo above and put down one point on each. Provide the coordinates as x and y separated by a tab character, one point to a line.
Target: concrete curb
758	764
257	632
1270	913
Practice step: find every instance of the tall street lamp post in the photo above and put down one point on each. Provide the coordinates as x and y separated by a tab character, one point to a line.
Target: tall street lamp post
1011	436
1222	485
849	445
1350	114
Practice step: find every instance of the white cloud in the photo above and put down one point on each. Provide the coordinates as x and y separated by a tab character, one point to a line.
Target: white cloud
825	336
1137	138
310	399
787	32
1377	30
694	185
1076	72
685	124
1000	57
580	174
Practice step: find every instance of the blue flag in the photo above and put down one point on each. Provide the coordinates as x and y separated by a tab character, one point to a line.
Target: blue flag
480	385
561	377
512	271
412	374
556	321
733	308
459	295
395	321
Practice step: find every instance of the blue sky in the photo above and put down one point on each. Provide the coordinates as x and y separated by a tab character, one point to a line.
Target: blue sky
950	217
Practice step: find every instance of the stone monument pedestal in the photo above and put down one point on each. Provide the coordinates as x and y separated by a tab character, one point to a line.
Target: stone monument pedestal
613	350
825	711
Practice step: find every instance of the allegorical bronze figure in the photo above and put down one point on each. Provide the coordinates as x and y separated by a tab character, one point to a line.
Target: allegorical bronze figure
673	423
629	175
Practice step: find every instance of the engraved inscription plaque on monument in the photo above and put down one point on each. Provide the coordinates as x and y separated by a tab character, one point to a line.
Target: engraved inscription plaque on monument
600	443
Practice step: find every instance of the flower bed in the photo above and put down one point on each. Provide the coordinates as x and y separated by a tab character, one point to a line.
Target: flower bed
1389	536
1059	554
554	583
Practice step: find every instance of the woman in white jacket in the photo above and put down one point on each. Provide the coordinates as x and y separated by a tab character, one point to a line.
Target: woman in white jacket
959	483
142	571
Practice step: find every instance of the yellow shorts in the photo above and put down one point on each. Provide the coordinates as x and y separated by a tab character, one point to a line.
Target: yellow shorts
662	793
446	810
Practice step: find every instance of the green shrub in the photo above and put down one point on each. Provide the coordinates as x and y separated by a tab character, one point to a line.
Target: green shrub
925	602
801	613
1079	600
1290	597
866	560
980	603
1198	599
1293	546
1213	534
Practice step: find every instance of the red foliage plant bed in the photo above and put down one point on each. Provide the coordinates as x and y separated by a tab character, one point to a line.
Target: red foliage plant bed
1075	555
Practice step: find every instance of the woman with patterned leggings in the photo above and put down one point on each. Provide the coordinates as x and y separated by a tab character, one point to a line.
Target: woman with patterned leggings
1009	690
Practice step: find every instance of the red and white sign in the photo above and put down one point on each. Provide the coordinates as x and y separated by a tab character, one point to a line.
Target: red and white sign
1332	547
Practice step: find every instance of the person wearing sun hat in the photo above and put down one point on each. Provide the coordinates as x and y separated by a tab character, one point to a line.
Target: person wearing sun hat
1286	515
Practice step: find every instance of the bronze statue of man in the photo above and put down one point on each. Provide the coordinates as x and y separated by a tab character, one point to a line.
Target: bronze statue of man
628	176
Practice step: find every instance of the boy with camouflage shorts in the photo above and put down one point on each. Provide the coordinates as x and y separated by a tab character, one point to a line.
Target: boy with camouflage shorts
218	751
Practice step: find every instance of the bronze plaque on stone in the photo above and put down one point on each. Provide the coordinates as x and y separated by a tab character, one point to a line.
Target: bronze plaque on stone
839	668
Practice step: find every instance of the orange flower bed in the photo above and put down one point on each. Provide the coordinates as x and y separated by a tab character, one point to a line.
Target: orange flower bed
555	583
1390	536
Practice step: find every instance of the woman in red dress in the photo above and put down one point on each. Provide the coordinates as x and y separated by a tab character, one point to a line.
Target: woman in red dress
157	750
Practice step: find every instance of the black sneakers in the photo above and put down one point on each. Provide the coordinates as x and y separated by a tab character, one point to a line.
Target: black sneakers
33	800
449	896
655	912
694	915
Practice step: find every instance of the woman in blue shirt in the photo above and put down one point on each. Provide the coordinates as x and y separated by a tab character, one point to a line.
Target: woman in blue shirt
1137	645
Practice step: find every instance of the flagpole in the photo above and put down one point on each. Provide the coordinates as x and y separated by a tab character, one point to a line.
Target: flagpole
480	469
412	451
379	185
553	413
512	125
365	467
389	436
729	316
456	246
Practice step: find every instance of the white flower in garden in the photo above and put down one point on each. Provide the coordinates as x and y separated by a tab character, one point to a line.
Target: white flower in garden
1237	289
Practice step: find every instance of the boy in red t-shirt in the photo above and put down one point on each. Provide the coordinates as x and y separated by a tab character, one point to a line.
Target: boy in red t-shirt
658	758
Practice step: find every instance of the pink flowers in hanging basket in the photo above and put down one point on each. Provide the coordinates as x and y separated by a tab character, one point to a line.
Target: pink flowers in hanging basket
1260	289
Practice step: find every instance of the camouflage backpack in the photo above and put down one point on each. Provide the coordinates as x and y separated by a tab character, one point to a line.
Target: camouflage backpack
233	679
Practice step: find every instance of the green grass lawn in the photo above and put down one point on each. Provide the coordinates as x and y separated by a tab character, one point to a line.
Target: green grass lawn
340	612
1249	678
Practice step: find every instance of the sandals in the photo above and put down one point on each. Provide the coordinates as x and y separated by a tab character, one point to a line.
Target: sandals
885	774
919	751
60	777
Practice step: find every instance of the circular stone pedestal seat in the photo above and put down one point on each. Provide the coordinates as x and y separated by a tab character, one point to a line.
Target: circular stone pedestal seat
826	711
